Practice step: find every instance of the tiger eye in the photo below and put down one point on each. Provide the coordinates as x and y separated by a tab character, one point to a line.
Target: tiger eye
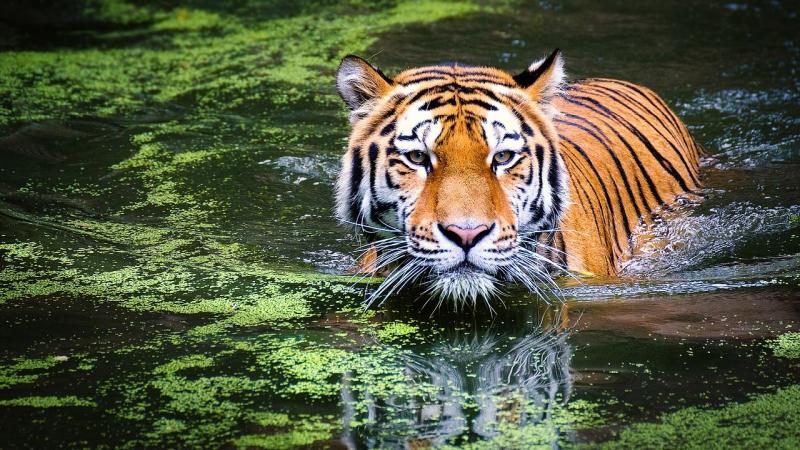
503	157
417	157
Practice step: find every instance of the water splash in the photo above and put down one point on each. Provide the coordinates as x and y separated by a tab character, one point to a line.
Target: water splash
756	127
710	243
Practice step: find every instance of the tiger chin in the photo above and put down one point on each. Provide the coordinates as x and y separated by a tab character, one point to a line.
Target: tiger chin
467	179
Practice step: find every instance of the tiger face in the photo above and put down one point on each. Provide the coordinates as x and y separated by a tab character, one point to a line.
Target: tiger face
453	173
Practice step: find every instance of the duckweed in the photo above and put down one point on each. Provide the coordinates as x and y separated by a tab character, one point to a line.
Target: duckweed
766	421
787	346
545	426
47	402
25	371
396	330
186	362
243	342
219	70
302	431
311	371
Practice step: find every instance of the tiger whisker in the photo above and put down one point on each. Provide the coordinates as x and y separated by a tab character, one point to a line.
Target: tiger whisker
364	226
401	275
561	268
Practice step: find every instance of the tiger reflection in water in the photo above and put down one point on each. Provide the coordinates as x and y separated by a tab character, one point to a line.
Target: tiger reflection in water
506	381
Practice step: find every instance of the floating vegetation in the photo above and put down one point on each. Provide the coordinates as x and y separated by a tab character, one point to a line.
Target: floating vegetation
766	421
215	60
47	402
26	371
787	346
287	432
165	194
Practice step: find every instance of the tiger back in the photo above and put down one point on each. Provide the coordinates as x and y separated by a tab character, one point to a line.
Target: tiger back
627	154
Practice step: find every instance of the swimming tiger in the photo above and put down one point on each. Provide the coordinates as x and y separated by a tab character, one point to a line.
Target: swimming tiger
465	178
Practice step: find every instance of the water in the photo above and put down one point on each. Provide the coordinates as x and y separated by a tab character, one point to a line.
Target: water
171	275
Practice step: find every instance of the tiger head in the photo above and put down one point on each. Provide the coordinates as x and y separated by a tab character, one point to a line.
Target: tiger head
453	173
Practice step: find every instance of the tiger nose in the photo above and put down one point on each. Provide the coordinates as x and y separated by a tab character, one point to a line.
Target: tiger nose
466	238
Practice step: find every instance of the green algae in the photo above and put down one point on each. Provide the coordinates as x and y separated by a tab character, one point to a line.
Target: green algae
186	19
310	372
185	402
396	331
212	405
31	251
205	395
165	427
219	71
286	432
117	11
766	421
162	268
24	371
183	363
48	402
787	346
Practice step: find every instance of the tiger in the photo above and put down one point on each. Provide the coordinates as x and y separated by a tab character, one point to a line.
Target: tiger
467	179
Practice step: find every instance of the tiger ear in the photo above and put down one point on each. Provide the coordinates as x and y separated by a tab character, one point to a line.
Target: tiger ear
544	78
359	83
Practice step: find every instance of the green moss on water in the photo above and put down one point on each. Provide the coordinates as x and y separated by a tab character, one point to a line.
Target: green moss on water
163	427
186	362
300	436
25	371
286	432
31	251
186	19
47	402
787	346
766	421
396	330
218	71
207	396
270	419
192	411
166	273
117	11
310	372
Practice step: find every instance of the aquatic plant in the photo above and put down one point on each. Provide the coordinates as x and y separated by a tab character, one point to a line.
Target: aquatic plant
766	421
787	345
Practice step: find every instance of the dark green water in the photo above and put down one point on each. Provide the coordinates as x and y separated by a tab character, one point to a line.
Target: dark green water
171	275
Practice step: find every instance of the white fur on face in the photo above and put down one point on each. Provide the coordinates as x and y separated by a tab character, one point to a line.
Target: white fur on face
553	85
462	286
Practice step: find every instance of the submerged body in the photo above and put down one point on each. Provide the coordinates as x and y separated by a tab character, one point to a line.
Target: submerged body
467	177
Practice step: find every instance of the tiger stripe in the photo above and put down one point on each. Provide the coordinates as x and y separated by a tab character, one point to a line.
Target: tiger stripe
630	141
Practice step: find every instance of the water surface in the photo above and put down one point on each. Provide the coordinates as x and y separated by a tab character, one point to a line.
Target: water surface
171	274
